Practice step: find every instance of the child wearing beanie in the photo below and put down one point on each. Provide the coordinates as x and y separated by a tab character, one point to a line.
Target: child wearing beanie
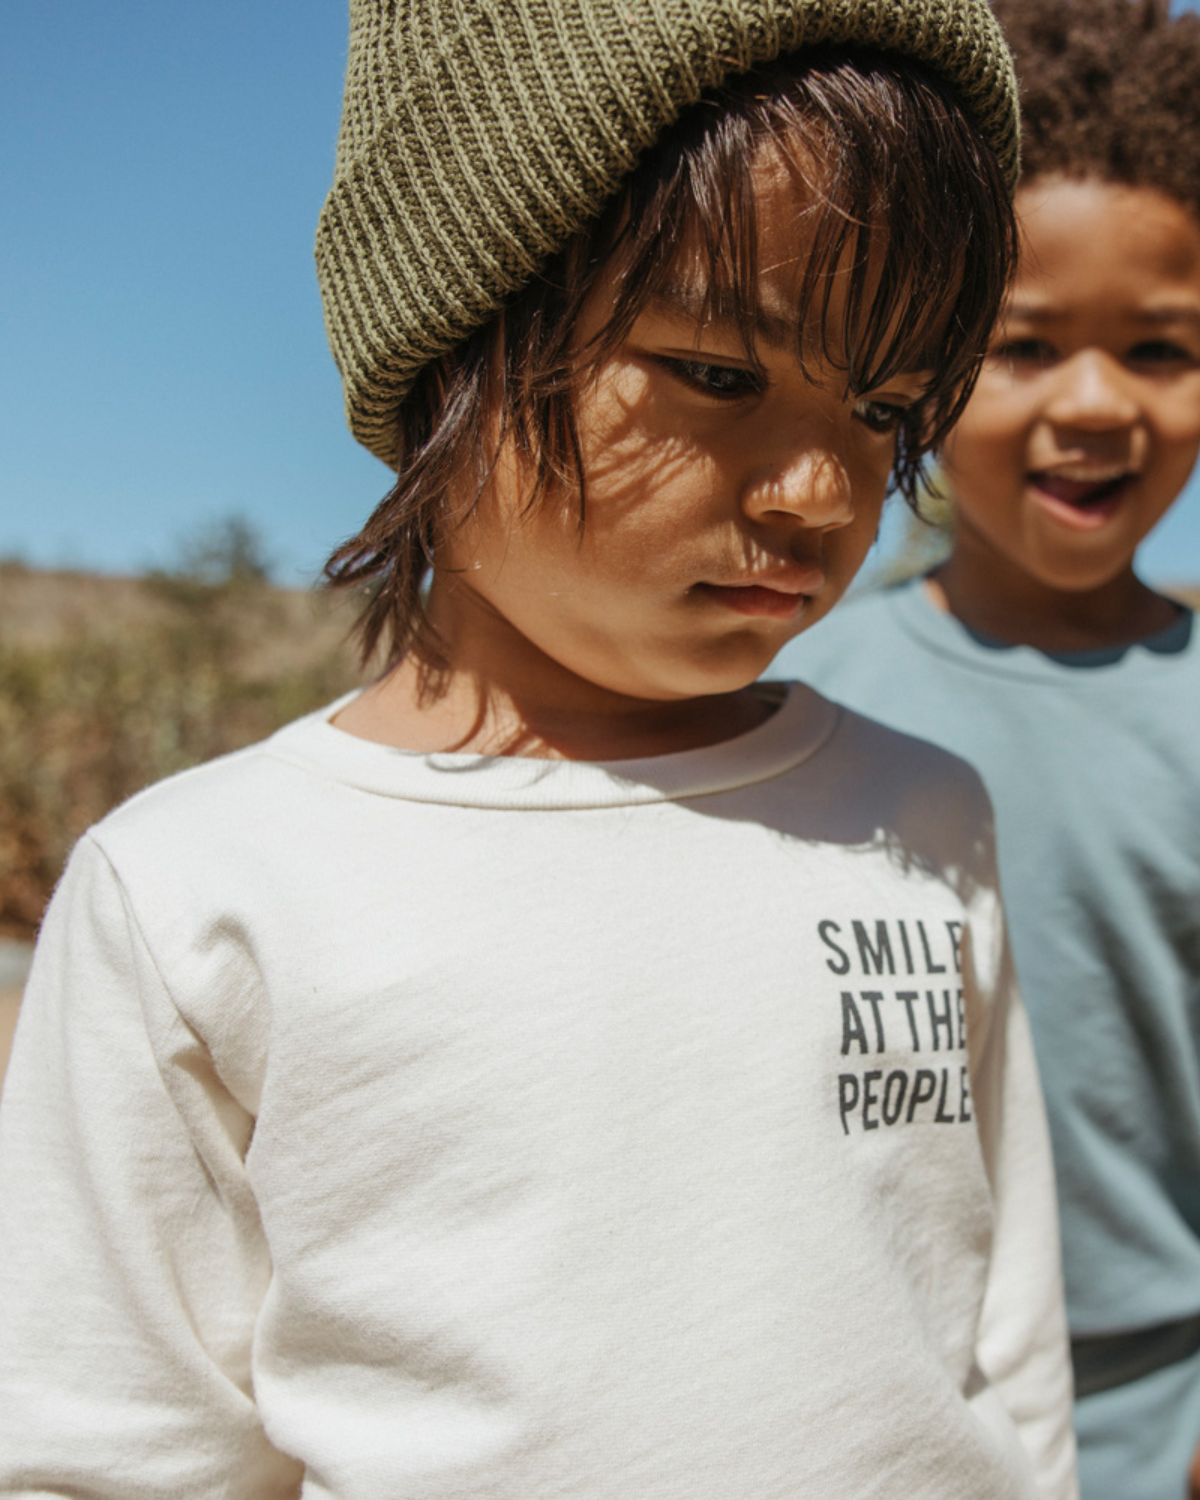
1037	653
567	1070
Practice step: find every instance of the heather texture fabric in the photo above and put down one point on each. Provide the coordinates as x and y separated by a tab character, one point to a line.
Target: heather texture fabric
383	1124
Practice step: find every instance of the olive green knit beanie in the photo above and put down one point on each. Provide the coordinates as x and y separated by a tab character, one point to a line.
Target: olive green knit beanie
479	135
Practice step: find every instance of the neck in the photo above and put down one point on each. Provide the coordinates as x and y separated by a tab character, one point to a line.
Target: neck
991	596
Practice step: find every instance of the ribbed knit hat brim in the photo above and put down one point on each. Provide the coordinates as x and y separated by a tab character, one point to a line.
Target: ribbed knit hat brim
479	135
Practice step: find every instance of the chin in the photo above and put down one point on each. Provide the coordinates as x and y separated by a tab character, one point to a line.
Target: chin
694	667
686	683
712	680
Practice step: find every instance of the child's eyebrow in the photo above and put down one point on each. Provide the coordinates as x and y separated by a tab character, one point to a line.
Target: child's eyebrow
1174	314
707	307
1031	312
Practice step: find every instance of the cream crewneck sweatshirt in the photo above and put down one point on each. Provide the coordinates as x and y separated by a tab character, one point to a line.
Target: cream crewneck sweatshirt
396	1127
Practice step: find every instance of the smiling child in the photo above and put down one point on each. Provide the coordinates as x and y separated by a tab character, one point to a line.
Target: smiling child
1038	653
567	1068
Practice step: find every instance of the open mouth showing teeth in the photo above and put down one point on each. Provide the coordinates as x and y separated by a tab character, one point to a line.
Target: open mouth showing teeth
1083	494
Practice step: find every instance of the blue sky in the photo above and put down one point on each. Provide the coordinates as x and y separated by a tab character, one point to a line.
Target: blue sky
162	361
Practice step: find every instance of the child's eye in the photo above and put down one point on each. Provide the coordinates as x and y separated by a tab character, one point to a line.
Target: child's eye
725	381
1023	352
1160	352
881	416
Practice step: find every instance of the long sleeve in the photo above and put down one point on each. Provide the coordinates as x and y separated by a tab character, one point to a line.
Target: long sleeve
132	1262
1022	1342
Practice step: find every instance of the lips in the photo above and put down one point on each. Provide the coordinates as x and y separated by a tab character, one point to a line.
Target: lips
780	595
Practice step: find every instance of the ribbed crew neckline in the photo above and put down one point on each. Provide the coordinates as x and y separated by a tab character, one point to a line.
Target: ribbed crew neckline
937	630
798	728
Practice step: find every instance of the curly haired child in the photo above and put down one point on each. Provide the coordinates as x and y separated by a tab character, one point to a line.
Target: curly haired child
1037	653
566	1068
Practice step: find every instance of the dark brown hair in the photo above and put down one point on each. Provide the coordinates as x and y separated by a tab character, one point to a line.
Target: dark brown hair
1109	89
908	192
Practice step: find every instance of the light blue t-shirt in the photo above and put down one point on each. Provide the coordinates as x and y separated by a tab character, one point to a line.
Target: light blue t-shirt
1093	763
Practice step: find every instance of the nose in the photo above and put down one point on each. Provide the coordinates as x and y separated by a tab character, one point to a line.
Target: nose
1092	392
811	485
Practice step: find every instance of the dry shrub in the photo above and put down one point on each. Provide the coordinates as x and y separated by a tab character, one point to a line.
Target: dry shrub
92	716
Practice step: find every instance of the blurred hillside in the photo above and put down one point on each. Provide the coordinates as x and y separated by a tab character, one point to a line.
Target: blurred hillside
108	684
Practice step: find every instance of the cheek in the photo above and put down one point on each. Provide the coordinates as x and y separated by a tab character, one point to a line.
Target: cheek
869	491
987	448
645	471
513	560
1178	424
549	569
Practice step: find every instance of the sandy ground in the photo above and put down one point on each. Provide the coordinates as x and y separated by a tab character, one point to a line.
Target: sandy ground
10	999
